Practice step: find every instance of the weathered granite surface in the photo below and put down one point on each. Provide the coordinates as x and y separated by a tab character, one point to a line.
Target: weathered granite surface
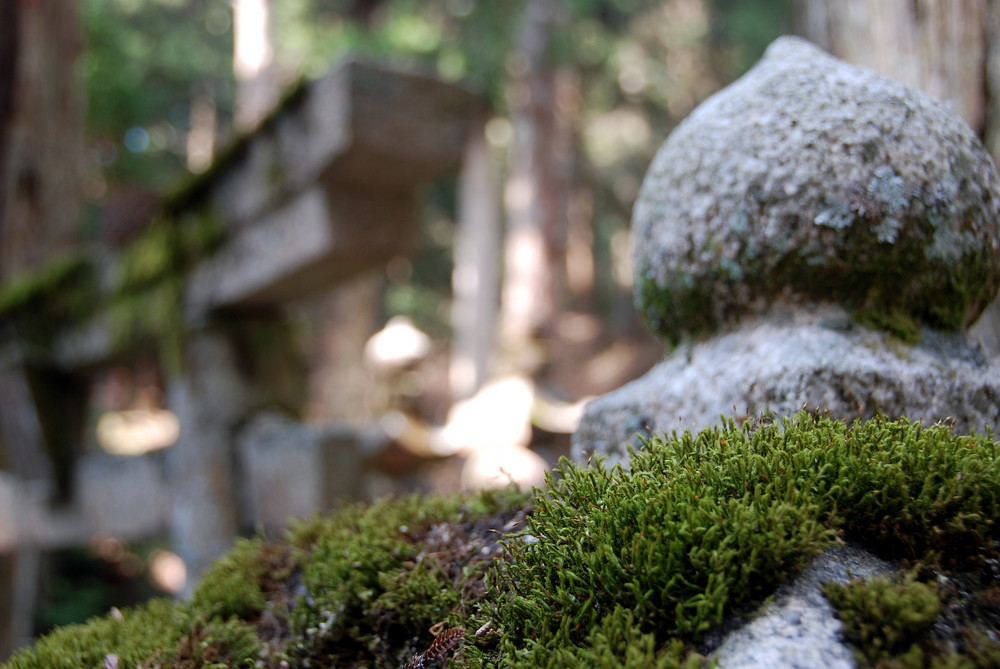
798	629
792	358
816	178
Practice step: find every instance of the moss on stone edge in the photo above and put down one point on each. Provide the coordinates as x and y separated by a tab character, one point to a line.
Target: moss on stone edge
610	568
142	302
924	617
895	287
145	301
886	619
30	303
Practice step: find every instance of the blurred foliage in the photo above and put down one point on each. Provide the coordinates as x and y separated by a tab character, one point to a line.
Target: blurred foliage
144	62
640	66
634	67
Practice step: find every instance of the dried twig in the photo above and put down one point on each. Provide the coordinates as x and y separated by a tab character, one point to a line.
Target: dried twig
440	648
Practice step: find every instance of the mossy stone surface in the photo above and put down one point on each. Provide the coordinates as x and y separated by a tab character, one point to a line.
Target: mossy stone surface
812	356
815	179
606	567
34	303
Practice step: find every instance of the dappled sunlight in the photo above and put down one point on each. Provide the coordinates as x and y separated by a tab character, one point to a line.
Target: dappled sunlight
498	415
167	571
137	431
131	419
501	466
397	345
252	40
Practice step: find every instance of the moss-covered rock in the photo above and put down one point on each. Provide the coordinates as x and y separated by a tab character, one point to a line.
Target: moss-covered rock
816	179
603	568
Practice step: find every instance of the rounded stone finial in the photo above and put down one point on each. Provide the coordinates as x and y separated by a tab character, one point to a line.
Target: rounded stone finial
811	179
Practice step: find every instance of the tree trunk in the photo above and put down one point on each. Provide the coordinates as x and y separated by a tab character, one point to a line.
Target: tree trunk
535	247
41	135
41	156
256	86
475	279
948	48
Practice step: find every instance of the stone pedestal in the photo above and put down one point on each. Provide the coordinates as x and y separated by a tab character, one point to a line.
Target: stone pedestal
294	470
208	401
809	357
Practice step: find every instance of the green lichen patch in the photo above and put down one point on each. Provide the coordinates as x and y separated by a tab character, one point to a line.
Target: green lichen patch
142	302
24	291
145	302
924	273
33	303
607	567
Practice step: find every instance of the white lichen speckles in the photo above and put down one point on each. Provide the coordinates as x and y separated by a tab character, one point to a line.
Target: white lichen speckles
949	246
887	231
740	222
811	177
836	216
889	190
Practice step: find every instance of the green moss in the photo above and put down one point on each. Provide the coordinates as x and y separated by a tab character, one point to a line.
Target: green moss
615	642
608	567
883	618
132	635
906	623
235	586
683	306
143	304
896	322
26	290
210	644
919	270
380	577
704	526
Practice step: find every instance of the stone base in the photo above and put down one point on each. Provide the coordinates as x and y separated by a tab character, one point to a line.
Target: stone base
816	359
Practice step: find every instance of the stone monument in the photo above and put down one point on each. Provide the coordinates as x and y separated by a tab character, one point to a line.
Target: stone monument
815	235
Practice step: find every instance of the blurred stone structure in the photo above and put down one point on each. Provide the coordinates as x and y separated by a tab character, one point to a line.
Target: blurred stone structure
326	188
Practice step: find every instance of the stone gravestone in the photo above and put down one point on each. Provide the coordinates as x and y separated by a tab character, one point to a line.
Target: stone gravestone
819	236
815	235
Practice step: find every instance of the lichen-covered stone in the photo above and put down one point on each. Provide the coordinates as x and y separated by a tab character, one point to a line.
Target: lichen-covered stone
814	178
